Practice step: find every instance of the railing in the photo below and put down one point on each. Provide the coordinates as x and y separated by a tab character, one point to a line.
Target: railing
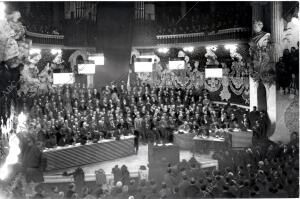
227	34
45	38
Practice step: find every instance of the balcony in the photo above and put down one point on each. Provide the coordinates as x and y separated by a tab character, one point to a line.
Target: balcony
45	39
227	35
75	35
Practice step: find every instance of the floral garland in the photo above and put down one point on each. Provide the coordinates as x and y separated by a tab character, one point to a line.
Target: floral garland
237	91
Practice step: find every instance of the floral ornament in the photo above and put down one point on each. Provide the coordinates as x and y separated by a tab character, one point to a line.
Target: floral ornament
211	56
261	69
181	54
212	84
156	59
225	94
186	59
246	93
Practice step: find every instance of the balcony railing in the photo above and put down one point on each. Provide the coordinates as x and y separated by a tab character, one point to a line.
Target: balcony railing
227	34
45	38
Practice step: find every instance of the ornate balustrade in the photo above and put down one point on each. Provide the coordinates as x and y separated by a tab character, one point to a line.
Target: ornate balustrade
45	38
227	34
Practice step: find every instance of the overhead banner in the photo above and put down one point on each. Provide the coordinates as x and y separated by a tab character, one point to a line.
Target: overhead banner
98	59
63	78
87	69
143	65
213	73
176	65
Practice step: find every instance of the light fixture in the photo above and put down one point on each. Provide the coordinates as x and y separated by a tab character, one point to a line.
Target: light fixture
188	49
2	10
212	47
34	51
55	51
231	47
163	50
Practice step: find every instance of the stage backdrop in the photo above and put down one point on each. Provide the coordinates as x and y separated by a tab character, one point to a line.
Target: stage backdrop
233	86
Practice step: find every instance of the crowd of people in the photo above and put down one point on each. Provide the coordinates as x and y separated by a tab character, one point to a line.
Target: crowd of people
264	171
288	71
43	29
76	114
196	22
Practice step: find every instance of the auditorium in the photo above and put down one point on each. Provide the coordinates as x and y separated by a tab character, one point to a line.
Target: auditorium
149	99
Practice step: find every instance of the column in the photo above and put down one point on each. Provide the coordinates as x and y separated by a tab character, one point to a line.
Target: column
271	107
276	28
182	8
90	81
253	92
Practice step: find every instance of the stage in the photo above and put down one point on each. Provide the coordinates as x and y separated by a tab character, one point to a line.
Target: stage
79	155
133	162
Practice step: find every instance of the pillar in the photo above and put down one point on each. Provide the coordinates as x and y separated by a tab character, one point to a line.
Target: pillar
90	81
276	28
271	107
253	92
182	8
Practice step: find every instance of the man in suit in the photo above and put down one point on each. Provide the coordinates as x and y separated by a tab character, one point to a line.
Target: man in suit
253	116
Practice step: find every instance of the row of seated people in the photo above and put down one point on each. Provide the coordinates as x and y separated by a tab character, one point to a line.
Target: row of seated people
270	171
287	69
43	29
76	114
196	22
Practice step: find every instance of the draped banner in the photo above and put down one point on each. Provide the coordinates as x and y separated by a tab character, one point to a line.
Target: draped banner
231	87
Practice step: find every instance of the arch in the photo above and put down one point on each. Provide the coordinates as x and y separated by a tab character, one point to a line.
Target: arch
134	54
73	58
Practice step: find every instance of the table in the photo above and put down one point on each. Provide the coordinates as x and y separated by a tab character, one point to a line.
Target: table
184	141
241	139
202	144
75	156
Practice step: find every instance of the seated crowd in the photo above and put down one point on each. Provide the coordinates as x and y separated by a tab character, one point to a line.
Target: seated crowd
263	171
74	114
204	22
43	29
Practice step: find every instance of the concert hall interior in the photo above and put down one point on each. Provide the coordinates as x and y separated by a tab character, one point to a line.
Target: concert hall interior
149	99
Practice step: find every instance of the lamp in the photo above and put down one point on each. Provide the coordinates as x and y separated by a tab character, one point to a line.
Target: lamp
163	50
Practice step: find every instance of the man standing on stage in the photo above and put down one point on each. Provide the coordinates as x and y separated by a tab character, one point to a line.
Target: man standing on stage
253	116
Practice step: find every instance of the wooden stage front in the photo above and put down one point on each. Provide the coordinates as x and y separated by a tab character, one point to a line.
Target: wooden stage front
75	156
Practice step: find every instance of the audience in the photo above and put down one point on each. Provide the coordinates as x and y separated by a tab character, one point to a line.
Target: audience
288	71
263	171
202	21
75	114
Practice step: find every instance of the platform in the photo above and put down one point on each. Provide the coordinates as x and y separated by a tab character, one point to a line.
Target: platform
133	162
80	155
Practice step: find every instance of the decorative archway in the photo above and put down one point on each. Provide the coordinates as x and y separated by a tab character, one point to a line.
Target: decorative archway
75	55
